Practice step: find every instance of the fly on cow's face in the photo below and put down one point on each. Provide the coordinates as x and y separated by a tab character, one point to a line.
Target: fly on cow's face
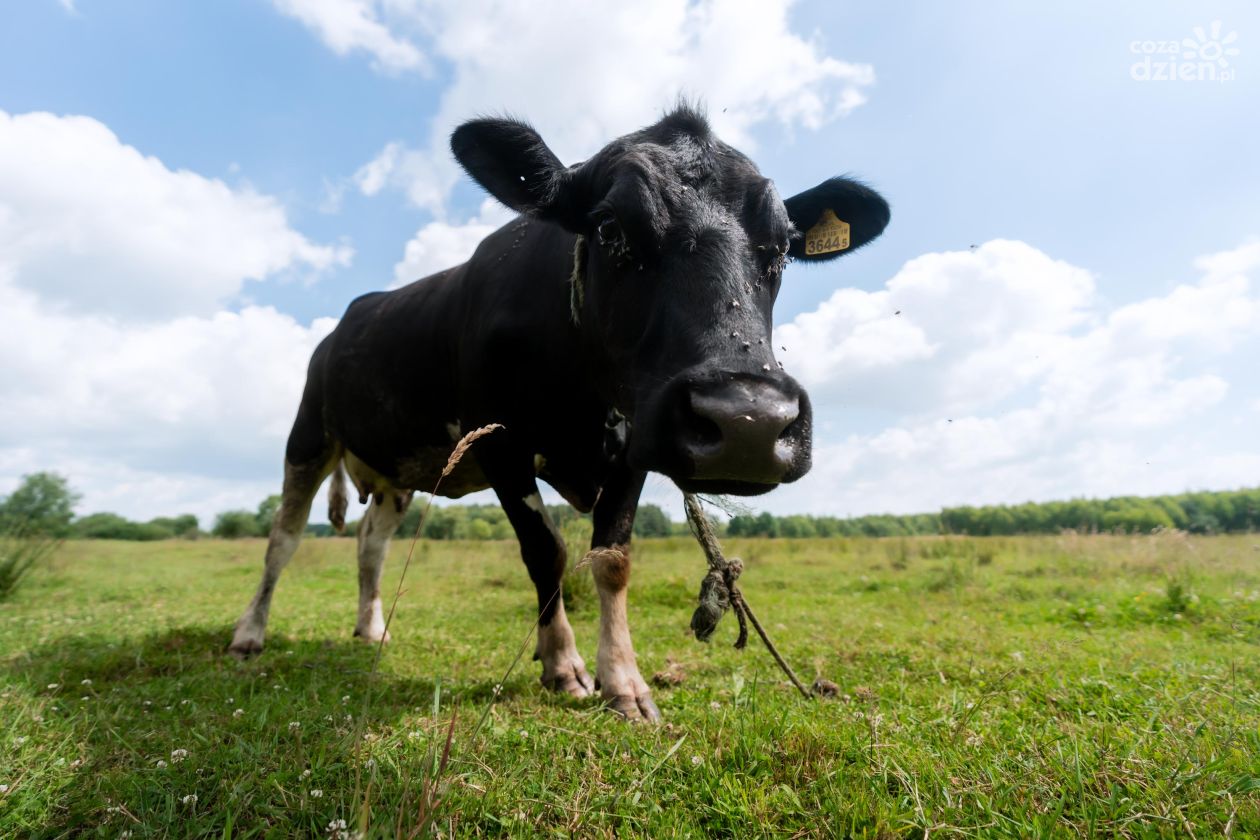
595	382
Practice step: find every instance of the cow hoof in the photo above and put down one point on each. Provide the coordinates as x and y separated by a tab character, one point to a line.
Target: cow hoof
632	708
245	648
372	636
572	679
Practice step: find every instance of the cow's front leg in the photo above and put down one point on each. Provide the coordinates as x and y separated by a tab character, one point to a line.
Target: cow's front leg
616	669
542	549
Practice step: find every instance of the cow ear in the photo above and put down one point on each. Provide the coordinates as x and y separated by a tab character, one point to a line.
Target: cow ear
834	218
511	161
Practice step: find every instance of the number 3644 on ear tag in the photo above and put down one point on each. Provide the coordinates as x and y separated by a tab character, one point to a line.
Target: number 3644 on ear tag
828	235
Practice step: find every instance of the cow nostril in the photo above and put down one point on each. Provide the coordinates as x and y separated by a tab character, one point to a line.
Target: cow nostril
701	432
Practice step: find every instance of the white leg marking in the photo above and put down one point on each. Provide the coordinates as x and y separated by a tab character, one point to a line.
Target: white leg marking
563	667
378	525
535	503
616	667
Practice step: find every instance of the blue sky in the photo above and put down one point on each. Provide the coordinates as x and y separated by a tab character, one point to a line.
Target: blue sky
1018	130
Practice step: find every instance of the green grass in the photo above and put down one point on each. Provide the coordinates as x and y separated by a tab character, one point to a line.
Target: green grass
1001	687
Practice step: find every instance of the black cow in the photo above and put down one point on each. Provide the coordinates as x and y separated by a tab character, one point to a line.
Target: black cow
620	325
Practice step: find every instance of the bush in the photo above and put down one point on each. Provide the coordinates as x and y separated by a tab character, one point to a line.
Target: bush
19	553
235	524
184	525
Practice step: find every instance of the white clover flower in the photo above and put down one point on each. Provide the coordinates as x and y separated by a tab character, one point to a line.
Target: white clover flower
238	713
306	774
316	793
337	825
4	789
294	726
85	682
230	701
20	740
183	702
190	799
178	756
696	761
345	699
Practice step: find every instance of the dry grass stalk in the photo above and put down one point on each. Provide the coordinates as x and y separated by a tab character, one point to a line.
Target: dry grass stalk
457	454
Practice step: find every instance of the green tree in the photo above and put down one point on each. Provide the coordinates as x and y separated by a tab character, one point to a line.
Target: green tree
42	504
235	524
651	521
266	513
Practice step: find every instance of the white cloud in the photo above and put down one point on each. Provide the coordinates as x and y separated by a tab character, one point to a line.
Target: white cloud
440	244
92	224
1004	378
120	365
991	319
584	73
213	394
133	413
349	25
424	176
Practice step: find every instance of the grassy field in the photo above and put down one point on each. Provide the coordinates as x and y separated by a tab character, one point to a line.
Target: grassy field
1023	687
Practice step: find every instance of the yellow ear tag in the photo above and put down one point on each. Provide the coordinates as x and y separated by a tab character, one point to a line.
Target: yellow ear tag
830	234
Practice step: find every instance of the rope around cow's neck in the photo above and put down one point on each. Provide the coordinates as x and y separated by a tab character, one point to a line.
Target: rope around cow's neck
718	592
576	291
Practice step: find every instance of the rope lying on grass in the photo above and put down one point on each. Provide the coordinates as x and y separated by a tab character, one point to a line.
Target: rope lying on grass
718	592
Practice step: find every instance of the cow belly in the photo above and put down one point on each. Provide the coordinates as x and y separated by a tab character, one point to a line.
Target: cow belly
419	471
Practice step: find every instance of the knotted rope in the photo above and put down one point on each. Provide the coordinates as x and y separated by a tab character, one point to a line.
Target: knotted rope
718	592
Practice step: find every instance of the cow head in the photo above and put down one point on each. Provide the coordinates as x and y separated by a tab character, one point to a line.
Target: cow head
682	248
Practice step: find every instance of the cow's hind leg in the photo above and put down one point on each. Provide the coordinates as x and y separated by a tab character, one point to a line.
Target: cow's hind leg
379	524
300	486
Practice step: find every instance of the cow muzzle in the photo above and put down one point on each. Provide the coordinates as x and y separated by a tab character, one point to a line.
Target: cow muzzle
729	433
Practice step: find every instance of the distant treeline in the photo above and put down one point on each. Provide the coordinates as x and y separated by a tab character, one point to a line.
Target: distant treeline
1231	511
44	503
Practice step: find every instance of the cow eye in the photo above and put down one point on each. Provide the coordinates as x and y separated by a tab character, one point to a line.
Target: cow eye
773	259
608	232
